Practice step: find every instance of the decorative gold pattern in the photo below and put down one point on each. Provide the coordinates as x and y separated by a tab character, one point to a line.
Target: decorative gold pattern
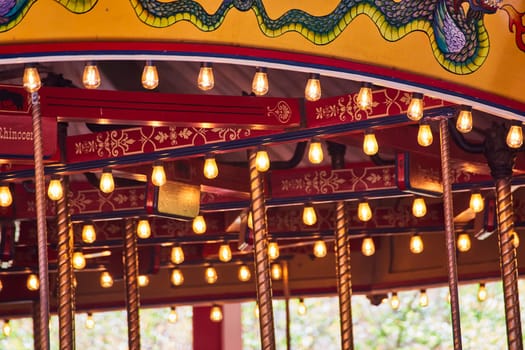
282	112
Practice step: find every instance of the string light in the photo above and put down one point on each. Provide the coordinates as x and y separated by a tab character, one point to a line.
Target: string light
91	76
90	322
106	280
273	250
143	229
6	328
416	244
31	79
78	260
423	298
143	280
309	215
419	207
368	247
364	213
173	317
199	225
158	174
150	76
225	252
312	91
364	97
301	307
394	301
276	271
32	283
424	134
6	199
244	274
177	278
315	151
370	146
262	161
476	203
319	249
210	275
216	313
107	184
89	235
415	108
482	292
55	191
256	310
260	82
249	221
464	121
464	242
515	239
210	170
515	135
1	285
177	255
206	80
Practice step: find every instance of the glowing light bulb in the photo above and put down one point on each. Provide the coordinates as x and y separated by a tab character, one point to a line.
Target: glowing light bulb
273	250
33	283
515	136
416	244
91	76
6	329
177	278
210	275
262	161
31	80
256	310
415	108
177	255
464	121
423	298
78	260
173	317
368	247
260	82
244	274
250	220
312	91
225	252
320	250
210	170
90	322
216	313
199	225
301	307
364	97
158	174
55	191
309	215
394	301
143	280
276	271
89	235
106	280
463	242
364	213
370	146
515	239
424	135
143	229
482	292
315	151
6	199
1	285
205	80
107	185
476	203
419	207
150	76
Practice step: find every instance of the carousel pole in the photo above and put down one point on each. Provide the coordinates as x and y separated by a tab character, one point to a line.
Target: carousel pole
342	256
450	240
501	161
131	270
286	288
262	261
36	325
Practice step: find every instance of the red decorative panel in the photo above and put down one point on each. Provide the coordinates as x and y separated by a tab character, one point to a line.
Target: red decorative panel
16	136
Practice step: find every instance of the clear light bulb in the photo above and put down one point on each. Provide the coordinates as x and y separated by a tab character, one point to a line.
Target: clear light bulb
416	244
31	80
464	121
33	283
6	199
143	280
370	146
482	292
55	191
364	213
256	310
415	108
368	247
107	185
91	76
225	252
6	329
394	301
276	271
515	239
364	97
1	285
515	136
463	242
150	76
273	250
210	275
177	278
423	298
312	91
424	135
260	82
158	174
173	317
199	225
177	255
309	215
205	80
250	220
262	161
216	313
90	322
143	229
244	274
210	170
89	234
78	260
419	207
106	280
476	203
319	249
315	151
301	307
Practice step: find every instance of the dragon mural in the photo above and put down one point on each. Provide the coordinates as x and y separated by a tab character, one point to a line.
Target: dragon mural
455	28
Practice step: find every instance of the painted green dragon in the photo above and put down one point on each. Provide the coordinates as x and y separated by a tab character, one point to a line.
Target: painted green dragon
455	28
